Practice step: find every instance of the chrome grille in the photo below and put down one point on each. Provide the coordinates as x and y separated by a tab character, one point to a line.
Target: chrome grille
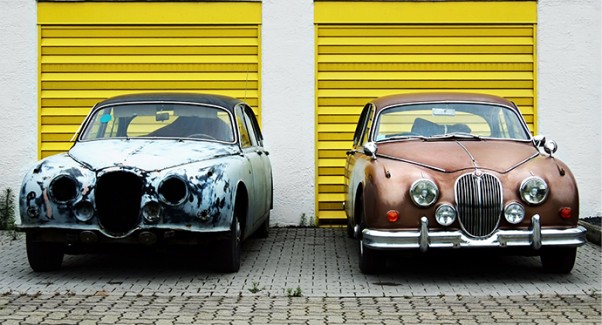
479	201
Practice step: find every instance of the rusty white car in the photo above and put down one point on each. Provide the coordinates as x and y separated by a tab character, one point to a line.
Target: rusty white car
152	169
435	171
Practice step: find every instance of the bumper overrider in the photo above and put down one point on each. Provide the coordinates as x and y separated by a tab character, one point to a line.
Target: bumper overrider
535	237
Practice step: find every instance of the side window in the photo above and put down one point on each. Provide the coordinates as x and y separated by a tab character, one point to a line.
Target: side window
253	126
245	137
361	125
368	126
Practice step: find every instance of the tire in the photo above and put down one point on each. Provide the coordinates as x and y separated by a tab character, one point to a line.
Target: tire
229	249
44	256
558	259
350	232
370	262
264	230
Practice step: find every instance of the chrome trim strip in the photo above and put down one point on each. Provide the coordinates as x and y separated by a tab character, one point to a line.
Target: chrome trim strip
423	240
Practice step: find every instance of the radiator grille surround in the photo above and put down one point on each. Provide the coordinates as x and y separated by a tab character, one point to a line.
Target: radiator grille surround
118	197
479	199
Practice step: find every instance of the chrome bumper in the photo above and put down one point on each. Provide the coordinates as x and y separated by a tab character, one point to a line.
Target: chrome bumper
535	238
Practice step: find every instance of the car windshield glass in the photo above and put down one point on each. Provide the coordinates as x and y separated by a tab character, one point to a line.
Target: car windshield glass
160	120
450	121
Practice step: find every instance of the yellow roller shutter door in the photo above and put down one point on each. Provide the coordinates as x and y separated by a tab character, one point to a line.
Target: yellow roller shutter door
487	47
91	51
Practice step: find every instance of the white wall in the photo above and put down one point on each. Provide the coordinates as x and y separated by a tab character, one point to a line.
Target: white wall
288	106
569	96
18	91
569	88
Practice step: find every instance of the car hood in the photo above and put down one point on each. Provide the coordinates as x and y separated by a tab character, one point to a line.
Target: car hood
451	156
147	154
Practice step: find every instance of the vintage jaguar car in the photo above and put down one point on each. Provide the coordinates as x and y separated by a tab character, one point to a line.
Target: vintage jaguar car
152	169
457	170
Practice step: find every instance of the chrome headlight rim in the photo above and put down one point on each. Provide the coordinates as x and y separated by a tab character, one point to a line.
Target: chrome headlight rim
422	199
441	215
168	180
534	183
60	198
511	209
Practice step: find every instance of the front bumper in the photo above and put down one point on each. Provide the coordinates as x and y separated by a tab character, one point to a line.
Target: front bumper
535	237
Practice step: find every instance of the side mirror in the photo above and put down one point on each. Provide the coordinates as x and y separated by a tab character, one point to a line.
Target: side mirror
370	149
548	146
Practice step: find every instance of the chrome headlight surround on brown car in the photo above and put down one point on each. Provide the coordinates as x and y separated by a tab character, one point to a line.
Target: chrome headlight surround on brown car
514	213
445	215
534	190
424	192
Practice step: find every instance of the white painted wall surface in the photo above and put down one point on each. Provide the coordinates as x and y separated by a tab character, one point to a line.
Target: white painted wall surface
569	96
569	91
288	104
18	91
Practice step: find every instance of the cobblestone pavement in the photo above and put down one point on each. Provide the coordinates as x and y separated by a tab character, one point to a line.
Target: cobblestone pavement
317	264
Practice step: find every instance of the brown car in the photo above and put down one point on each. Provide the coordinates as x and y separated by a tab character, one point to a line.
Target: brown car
457	170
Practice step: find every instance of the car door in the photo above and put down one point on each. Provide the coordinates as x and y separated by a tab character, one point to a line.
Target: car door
254	154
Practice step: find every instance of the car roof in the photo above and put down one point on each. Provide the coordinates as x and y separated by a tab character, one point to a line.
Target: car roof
412	98
198	98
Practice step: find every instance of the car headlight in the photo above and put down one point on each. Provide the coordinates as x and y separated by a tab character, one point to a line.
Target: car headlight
84	211
533	190
152	212
173	190
514	213
445	215
424	192
63	189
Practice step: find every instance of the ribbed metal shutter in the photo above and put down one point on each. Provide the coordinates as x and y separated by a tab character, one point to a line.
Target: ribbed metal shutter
358	61
91	51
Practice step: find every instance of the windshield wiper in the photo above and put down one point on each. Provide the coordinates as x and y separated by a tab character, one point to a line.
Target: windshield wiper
455	135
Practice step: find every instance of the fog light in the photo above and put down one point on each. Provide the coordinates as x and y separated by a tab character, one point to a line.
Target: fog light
33	212
83	211
514	213
392	216
566	213
152	212
445	215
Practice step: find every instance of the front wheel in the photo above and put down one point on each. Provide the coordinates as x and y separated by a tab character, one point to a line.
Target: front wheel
558	259
44	256
370	259
229	249
264	229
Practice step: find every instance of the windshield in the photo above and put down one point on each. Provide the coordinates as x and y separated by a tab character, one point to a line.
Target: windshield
160	120
437	120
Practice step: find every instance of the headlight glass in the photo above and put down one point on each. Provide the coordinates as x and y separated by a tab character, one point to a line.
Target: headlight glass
514	213
152	212
534	190
83	211
424	192
445	215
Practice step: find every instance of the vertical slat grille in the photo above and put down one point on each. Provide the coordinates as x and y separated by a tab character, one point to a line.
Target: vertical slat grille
479	200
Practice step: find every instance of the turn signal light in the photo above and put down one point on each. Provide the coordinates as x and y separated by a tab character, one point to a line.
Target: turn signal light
566	213
392	216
